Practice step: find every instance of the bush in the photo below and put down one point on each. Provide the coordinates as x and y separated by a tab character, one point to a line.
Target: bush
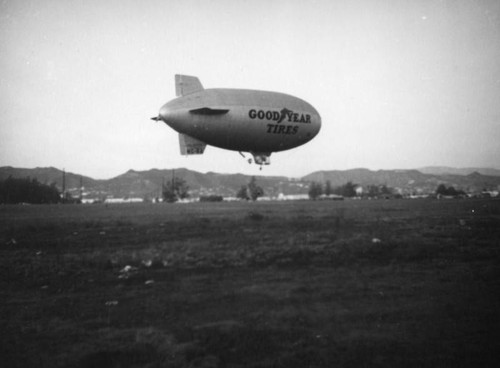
211	198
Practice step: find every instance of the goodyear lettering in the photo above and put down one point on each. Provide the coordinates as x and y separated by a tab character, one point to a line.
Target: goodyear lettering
282	129
280	116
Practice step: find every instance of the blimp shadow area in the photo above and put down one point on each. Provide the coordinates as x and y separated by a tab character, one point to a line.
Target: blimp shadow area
381	283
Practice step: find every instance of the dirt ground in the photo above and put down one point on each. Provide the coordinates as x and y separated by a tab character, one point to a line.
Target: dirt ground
384	283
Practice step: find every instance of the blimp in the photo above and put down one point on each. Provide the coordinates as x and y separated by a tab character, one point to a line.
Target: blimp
242	120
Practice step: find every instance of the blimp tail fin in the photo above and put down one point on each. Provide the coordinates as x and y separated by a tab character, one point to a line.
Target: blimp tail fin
185	85
190	145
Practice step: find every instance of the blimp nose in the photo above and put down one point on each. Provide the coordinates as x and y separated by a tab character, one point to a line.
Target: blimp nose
165	113
314	127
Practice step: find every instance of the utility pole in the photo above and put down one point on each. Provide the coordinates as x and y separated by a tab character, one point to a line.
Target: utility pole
64	186
162	189
81	188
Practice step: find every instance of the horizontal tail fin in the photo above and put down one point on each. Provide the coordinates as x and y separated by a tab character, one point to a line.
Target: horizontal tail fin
185	85
190	145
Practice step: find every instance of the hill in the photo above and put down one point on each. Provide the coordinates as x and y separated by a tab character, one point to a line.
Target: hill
148	184
407	181
444	170
47	175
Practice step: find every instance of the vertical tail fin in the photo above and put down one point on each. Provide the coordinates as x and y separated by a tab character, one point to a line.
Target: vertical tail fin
185	84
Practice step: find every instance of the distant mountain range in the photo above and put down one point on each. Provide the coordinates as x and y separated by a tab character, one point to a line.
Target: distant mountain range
147	184
443	170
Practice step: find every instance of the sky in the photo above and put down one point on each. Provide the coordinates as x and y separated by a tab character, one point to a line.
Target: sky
398	84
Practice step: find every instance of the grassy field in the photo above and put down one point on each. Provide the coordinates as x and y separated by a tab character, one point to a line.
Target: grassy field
412	283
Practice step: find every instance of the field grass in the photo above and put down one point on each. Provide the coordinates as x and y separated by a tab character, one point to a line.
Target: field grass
412	283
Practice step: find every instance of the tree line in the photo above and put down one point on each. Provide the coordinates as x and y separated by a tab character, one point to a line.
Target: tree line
27	190
177	189
348	190
13	191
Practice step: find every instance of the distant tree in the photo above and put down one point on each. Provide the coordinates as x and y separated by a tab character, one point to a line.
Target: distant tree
347	190
243	193
441	189
384	189
372	191
254	190
175	189
378	190
315	190
251	191
450	191
328	188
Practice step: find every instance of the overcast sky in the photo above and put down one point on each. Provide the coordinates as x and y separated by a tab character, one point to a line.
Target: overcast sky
398	84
